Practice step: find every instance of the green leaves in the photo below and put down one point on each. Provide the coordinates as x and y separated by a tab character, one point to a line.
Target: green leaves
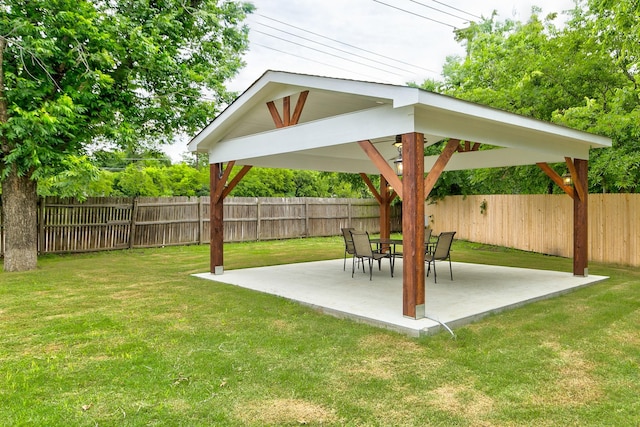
44	134
75	180
127	72
583	75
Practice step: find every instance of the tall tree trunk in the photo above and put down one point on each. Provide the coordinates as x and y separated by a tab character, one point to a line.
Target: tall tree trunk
19	215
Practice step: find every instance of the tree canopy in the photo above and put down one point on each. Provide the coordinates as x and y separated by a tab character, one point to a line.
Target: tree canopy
151	174
76	72
583	75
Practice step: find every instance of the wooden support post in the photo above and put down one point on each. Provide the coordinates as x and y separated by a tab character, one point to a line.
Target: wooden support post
216	224
413	278
385	209
219	190
580	195
580	221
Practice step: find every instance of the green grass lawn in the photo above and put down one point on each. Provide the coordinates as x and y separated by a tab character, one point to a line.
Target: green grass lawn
130	338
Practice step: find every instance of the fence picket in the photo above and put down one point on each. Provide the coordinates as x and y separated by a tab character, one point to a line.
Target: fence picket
544	223
67	225
540	223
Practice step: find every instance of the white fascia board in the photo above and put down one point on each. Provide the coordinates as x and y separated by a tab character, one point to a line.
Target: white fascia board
505	135
255	94
473	111
500	157
332	84
408	97
368	124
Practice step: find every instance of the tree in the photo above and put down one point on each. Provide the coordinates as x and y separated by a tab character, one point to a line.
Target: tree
137	181
75	181
186	180
265	182
584	75
613	27
76	72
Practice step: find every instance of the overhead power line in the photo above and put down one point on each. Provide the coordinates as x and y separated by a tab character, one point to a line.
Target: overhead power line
416	14
346	44
331	47
326	53
313	60
438	10
455	8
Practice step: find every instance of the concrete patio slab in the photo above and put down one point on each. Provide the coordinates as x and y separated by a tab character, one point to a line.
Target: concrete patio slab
476	291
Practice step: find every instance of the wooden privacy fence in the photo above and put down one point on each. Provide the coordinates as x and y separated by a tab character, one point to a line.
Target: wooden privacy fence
538	223
67	225
544	223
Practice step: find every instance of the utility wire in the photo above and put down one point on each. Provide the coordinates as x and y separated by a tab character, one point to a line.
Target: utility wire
346	44
455	8
326	53
417	14
439	10
331	47
312	60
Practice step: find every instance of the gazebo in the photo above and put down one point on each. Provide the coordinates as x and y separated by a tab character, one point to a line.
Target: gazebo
295	121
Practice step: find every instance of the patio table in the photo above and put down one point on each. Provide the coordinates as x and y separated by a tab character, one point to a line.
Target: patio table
392	243
381	244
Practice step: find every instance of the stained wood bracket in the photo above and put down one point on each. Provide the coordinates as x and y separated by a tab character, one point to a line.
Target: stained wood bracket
392	195
382	165
235	180
440	164
468	147
223	189
577	182
577	190
287	119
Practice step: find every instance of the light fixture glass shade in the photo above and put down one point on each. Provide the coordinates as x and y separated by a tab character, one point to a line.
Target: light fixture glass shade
566	179
397	162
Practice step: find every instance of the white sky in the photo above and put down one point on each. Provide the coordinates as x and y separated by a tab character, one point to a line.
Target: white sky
370	40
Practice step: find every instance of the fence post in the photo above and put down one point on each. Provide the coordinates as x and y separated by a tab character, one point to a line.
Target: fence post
132	228
306	217
258	214
200	220
349	214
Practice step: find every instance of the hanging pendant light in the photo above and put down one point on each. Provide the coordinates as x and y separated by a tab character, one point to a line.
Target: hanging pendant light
397	162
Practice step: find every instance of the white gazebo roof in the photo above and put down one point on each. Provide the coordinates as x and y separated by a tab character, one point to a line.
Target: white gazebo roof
338	113
298	121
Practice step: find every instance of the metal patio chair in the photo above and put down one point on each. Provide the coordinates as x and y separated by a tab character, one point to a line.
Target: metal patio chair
348	244
428	244
442	252
362	249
